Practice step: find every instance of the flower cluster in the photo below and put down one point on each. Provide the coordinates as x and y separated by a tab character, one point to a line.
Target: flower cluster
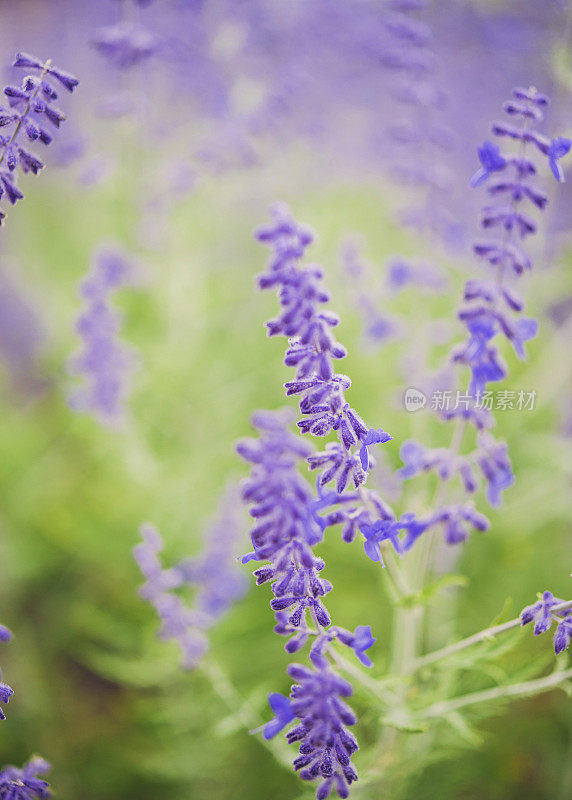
326	746
312	350
214	574
24	784
491	306
287	527
30	108
6	691
103	360
418	137
544	612
126	44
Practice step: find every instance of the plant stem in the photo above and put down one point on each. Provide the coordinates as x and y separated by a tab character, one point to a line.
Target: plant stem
374	686
514	690
236	703
481	636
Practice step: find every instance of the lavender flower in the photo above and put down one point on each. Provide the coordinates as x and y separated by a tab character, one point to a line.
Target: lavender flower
563	634
178	621
284	714
287	526
24	784
326	746
540	613
312	350
103	360
126	44
30	107
359	641
491	306
546	611
214	574
6	691
220	583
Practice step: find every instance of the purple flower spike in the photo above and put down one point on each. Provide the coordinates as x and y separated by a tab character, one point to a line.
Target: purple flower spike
563	634
214	574
326	746
104	361
283	714
540	613
312	351
491	161
29	118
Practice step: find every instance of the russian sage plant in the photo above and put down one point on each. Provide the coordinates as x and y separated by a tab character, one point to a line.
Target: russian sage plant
213	574
103	360
29	117
30	109
291	519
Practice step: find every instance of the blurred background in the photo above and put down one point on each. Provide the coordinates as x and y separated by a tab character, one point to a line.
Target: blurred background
190	120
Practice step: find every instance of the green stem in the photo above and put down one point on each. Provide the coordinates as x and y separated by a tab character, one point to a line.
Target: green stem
475	638
374	686
236	703
499	692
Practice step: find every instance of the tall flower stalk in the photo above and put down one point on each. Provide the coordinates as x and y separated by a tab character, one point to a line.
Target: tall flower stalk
29	117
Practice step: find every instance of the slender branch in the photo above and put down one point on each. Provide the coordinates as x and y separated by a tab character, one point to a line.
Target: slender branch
481	636
374	686
236	703
513	690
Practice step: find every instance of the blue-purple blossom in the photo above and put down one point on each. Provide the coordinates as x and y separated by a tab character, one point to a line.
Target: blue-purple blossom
558	148
491	309
178	621
214	574
420	143
491	161
29	117
563	634
287	527
24	783
540	613
103	360
283	714
326	746
493	304
544	612
126	44
359	641
312	350
6	691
